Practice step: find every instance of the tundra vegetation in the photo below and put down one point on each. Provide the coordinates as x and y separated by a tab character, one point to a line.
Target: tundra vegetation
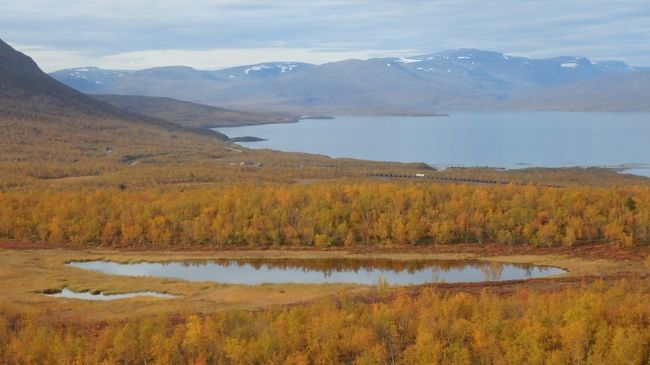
599	323
80	179
216	197
327	215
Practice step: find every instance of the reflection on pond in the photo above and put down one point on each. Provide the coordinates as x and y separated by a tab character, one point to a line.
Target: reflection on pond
67	293
320	271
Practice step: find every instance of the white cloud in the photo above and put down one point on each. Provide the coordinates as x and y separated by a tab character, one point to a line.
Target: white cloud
133	33
51	59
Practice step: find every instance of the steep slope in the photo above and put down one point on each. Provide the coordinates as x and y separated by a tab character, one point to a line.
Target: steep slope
44	120
26	91
190	114
24	88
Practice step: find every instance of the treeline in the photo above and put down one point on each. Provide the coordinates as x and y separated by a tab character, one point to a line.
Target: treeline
329	214
599	323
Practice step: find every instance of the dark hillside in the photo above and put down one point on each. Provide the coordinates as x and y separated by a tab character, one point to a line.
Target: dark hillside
26	92
189	114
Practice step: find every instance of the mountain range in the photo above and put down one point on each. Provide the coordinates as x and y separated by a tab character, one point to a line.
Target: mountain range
51	132
465	79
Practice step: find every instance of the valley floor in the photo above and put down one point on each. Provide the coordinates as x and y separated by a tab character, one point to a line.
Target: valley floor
25	274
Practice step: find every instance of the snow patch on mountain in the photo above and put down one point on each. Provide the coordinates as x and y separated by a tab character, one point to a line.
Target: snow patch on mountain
408	60
256	68
283	67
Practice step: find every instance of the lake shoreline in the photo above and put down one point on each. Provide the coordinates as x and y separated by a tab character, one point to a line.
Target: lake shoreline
500	140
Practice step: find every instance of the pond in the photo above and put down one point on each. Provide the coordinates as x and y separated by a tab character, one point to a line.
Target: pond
67	293
493	139
323	271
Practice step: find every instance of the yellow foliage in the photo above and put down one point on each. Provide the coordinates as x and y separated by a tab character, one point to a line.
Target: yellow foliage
327	214
600	323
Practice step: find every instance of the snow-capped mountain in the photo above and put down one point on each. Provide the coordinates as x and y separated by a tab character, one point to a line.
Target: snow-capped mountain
263	70
88	79
447	80
510	72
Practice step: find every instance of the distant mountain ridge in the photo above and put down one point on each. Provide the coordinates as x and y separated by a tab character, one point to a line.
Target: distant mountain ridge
88	79
445	81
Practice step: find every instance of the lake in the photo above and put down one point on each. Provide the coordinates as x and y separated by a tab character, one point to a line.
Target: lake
328	271
493	139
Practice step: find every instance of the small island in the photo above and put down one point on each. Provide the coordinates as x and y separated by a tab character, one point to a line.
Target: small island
246	139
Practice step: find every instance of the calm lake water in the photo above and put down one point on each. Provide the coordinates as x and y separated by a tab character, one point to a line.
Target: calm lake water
494	139
367	272
67	293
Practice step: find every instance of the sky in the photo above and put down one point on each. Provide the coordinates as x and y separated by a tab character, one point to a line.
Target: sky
137	34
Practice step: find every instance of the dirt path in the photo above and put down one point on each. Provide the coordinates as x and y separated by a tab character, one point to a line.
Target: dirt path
72	179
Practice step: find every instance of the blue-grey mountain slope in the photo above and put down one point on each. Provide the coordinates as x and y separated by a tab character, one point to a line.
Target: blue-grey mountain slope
450	80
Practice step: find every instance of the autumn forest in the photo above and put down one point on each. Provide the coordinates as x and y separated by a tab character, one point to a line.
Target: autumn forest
547	265
329	215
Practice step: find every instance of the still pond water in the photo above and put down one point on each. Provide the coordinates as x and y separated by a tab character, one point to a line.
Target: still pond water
70	294
366	272
494	139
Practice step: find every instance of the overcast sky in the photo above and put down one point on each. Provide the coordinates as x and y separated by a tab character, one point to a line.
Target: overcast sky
136	34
